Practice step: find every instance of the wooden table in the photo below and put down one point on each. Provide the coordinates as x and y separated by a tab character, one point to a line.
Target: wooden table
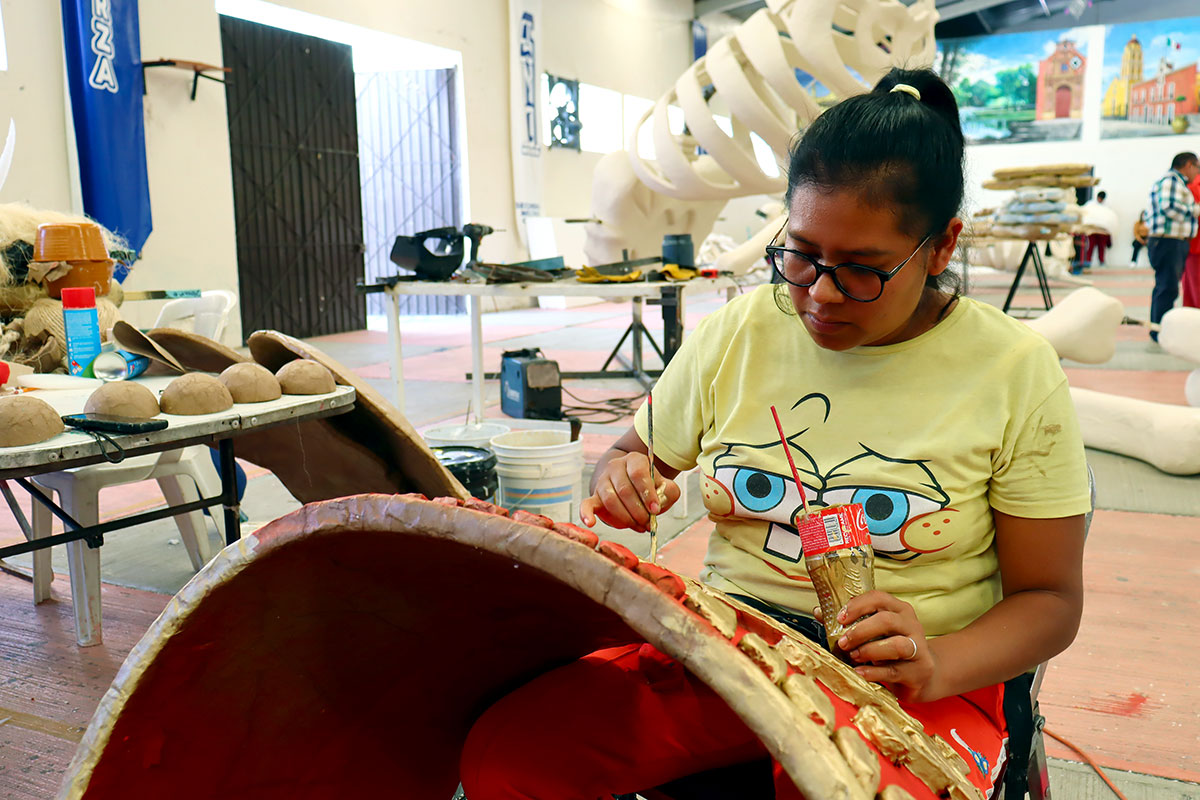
74	448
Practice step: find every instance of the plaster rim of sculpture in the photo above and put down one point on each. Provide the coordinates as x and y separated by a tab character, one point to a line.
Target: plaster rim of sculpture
752	687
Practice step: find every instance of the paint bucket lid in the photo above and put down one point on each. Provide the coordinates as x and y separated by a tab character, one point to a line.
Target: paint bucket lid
474	435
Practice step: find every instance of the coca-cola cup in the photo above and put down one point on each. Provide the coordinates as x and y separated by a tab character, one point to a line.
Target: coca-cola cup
840	562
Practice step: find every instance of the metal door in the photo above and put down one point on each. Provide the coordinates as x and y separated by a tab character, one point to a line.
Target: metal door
293	142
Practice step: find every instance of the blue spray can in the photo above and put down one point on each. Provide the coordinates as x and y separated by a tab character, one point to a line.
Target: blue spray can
82	327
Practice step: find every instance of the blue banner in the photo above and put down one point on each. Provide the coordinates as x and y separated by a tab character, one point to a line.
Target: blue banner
699	40
104	72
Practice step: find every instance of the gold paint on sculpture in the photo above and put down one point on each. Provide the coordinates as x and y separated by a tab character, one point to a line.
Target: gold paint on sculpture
768	660
859	756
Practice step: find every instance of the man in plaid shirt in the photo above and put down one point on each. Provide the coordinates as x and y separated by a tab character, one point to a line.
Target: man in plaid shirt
1173	217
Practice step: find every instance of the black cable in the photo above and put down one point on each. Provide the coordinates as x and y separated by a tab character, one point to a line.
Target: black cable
116	455
603	412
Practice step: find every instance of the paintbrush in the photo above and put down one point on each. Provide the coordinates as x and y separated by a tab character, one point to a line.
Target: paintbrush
653	480
787	451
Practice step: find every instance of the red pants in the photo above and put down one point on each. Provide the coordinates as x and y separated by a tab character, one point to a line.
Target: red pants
629	719
1191	281
1097	242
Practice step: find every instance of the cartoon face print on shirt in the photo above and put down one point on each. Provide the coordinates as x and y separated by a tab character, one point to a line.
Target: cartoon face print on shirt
906	507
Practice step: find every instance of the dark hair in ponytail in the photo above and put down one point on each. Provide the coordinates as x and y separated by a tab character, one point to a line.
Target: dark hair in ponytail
895	150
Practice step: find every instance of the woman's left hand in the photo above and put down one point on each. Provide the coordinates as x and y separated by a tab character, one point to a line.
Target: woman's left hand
888	645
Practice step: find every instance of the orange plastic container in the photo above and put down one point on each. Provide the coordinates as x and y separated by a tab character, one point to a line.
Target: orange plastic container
96	274
93	242
60	241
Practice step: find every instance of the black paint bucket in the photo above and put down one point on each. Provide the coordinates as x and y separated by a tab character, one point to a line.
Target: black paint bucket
474	467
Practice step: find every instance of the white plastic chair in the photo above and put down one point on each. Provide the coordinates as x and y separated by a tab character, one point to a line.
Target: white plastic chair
210	311
183	475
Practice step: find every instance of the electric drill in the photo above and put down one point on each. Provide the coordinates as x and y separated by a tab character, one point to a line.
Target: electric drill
475	232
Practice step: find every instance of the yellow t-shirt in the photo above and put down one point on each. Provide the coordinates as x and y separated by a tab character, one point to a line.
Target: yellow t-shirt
929	435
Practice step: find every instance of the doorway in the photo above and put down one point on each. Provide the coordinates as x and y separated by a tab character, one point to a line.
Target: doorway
1062	102
411	176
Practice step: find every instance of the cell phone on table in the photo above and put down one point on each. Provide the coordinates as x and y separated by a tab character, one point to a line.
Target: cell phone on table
109	423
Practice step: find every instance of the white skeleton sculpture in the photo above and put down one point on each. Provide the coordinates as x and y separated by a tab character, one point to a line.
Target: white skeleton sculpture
844	45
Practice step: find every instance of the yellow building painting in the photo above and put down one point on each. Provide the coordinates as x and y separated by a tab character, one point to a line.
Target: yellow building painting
1116	96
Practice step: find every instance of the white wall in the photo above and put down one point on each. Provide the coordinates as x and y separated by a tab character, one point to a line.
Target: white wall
31	93
634	46
1126	167
193	245
637	47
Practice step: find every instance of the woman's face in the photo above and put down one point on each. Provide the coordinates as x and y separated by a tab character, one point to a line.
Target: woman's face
836	227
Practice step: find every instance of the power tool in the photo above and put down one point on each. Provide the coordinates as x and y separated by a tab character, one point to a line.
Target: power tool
530	385
475	232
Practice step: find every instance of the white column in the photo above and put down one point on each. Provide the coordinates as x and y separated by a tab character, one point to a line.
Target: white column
473	305
397	352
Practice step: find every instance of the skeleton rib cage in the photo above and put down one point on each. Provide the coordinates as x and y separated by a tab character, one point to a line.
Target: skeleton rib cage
844	45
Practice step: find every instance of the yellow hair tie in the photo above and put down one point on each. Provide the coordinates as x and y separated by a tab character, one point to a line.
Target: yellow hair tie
904	87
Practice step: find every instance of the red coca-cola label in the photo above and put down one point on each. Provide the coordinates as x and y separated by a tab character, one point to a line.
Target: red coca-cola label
832	528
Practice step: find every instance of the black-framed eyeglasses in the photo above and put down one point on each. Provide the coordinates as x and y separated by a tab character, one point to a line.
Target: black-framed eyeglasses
856	281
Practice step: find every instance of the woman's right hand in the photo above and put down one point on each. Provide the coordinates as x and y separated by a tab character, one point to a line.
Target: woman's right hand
625	497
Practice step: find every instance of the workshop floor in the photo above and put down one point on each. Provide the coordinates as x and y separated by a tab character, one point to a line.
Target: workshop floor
1126	691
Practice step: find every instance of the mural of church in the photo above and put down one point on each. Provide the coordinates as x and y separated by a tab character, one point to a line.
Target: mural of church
1060	83
1116	97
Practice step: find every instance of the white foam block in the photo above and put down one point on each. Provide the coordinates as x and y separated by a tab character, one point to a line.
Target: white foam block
1166	436
1083	326
1180	334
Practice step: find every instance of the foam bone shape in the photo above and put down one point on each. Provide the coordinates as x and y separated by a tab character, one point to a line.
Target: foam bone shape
754	74
1180	336
1180	333
1167	436
1083	326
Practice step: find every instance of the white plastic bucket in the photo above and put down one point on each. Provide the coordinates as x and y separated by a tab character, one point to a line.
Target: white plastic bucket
475	435
539	471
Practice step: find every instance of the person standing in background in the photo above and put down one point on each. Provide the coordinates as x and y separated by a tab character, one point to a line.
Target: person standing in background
1173	219
1140	231
1191	269
1099	222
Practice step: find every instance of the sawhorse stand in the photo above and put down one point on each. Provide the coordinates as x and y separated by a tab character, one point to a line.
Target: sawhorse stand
1031	254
